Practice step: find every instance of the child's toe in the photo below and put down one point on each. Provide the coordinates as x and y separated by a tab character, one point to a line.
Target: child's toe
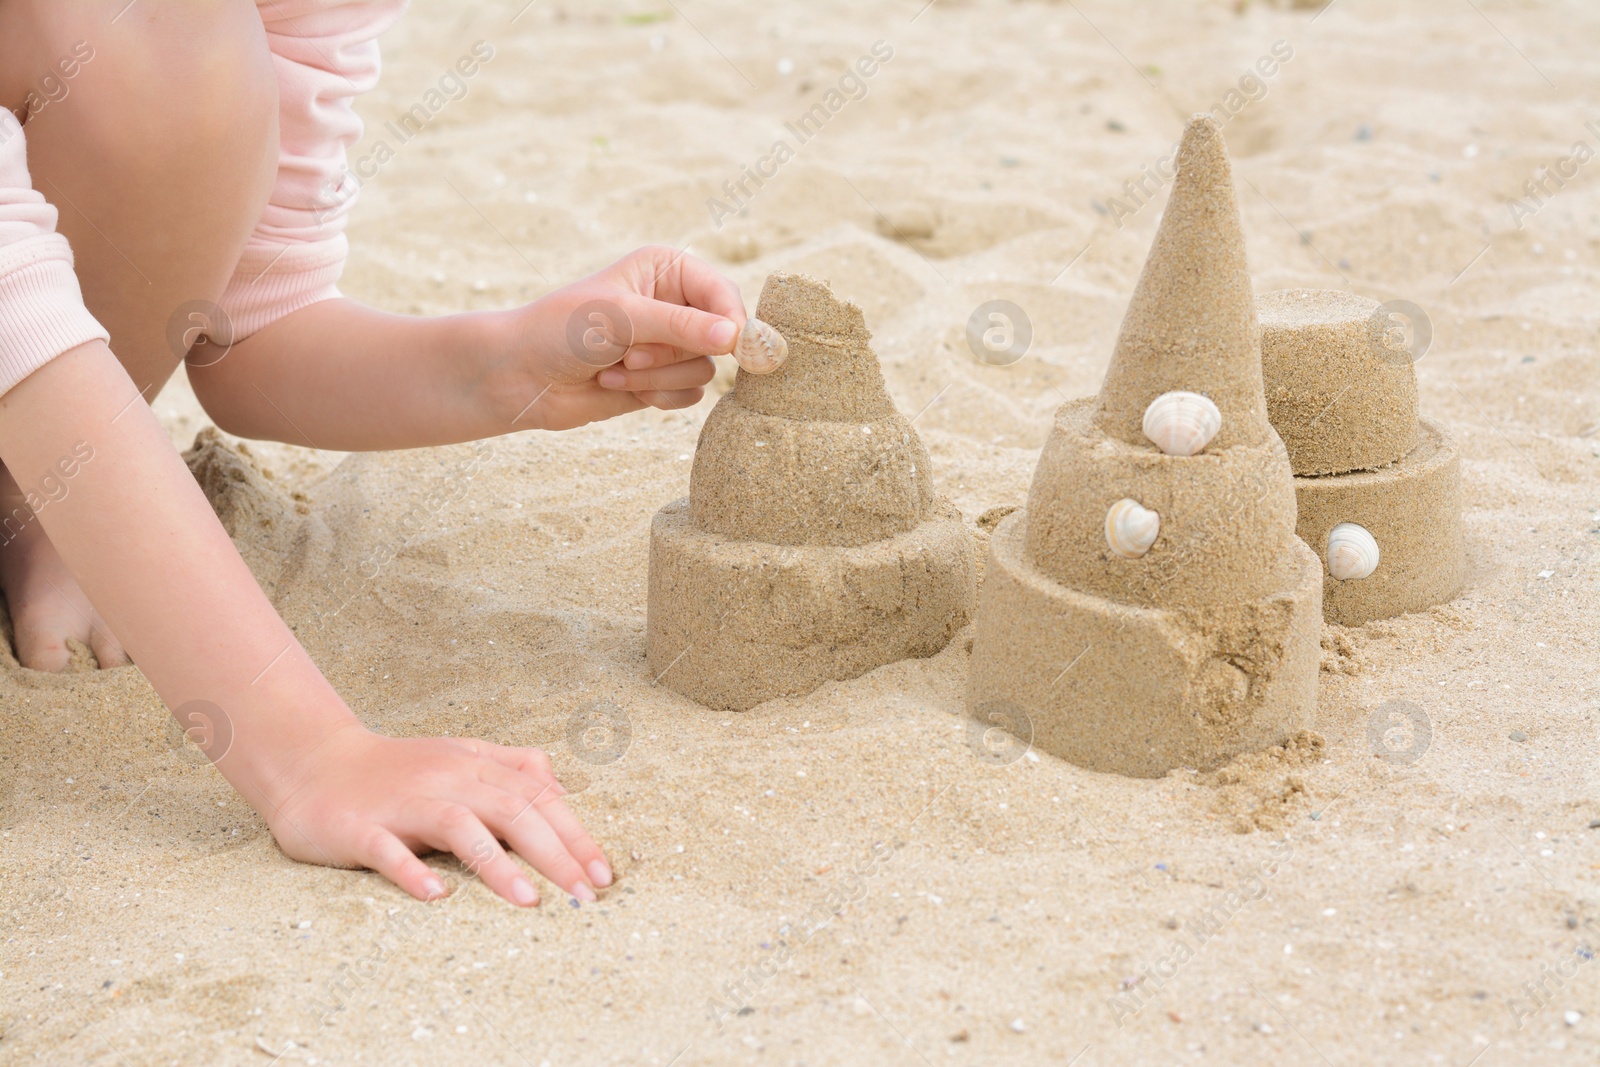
107	649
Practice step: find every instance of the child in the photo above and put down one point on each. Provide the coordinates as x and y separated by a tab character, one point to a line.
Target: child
185	149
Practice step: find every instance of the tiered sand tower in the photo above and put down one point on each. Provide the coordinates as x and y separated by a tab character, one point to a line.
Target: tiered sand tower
812	547
1208	643
1379	487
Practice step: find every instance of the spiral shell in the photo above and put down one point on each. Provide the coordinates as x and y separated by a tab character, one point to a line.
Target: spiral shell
1131	528
1181	424
1352	552
761	349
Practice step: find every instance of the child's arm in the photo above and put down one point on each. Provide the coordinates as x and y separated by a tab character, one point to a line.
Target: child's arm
341	376
149	552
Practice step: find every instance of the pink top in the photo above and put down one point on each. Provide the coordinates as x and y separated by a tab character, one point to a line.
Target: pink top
325	53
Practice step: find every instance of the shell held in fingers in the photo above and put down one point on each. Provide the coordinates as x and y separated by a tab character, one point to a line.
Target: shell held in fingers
760	349
1131	528
1352	552
1180	423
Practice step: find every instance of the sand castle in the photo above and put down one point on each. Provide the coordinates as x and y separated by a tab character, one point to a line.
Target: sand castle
812	547
1379	487
1151	609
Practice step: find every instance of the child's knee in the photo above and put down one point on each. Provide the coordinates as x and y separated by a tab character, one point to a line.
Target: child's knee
192	83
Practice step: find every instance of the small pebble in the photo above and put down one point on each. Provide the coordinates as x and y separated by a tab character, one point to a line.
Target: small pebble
1018	1026
1572	1018
1363	132
1517	735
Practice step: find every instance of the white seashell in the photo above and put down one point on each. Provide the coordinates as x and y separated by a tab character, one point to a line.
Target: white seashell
1352	552
1131	529
761	349
1181	424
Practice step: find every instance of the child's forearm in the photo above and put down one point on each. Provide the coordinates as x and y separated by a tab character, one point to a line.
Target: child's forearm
132	524
342	376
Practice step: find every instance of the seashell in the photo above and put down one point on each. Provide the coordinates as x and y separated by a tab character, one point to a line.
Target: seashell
1131	529
1352	552
1181	424
761	349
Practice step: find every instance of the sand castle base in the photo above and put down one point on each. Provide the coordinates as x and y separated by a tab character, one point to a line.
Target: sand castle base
734	623
1413	509
1140	691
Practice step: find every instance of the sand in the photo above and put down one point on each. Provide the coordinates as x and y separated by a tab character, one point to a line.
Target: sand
1198	641
1342	391
149	919
811	547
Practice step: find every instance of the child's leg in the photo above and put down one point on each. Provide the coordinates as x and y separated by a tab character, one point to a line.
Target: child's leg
159	151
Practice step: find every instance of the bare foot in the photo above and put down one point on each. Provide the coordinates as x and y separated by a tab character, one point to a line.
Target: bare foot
47	607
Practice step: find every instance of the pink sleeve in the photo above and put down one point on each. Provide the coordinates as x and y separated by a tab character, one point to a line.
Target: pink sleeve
326	54
41	307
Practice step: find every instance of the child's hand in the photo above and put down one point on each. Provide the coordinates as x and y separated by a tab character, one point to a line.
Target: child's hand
635	335
362	799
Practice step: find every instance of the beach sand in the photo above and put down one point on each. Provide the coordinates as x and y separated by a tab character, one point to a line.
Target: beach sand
1332	905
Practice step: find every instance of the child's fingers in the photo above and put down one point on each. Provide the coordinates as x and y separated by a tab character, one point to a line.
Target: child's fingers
530	787
563	411
578	843
385	853
683	398
643	357
659	322
691	374
534	762
459	829
531	834
547	800
693	281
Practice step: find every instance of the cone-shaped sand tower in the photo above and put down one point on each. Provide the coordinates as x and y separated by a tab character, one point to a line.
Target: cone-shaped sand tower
1151	607
1379	488
812	547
